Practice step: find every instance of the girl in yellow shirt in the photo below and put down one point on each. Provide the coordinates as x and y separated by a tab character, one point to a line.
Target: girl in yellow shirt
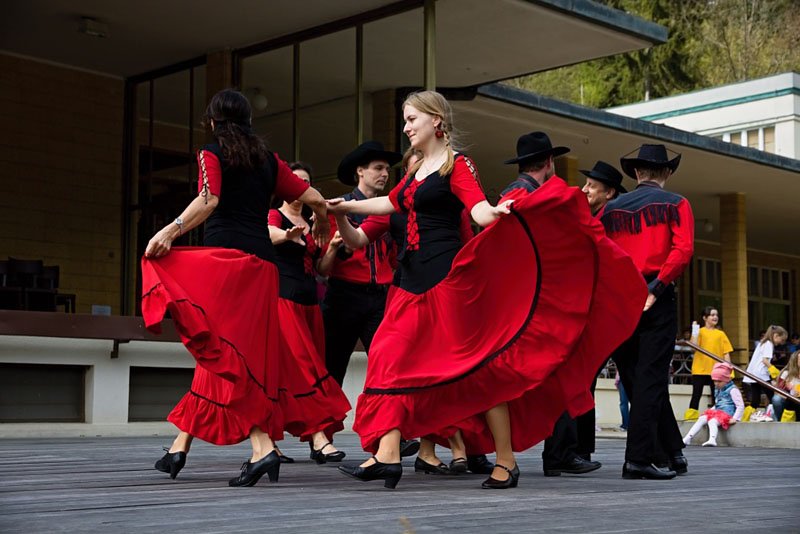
715	341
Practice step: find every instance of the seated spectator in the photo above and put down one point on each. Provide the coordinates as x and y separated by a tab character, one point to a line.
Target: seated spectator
789	381
794	343
761	364
728	406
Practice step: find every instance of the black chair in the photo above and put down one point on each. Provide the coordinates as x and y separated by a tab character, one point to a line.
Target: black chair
11	296
27	274
49	280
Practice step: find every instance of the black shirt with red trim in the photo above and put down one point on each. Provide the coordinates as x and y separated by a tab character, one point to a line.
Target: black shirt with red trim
368	265
434	207
240	218
295	263
656	228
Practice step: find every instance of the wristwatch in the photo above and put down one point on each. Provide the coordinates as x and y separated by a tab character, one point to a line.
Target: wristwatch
179	222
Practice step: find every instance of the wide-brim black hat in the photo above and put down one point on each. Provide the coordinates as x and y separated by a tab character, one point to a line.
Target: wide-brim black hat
650	156
535	146
607	174
366	153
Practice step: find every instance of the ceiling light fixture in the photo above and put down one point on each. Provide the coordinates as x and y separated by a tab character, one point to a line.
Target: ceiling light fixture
93	28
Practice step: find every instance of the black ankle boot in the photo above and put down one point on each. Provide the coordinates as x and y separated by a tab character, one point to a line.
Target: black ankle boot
511	482
253	471
320	457
389	473
171	462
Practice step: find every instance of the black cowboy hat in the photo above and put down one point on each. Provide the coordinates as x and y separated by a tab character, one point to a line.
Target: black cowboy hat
608	174
650	156
535	146
366	153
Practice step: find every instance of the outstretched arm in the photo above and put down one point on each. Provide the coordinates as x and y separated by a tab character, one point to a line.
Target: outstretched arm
194	215
353	237
369	206
485	214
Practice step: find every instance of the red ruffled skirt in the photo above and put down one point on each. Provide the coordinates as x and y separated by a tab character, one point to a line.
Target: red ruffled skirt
224	304
531	309
723	418
311	400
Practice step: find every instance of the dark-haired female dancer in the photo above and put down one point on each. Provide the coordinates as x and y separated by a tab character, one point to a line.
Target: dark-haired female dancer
313	403
223	297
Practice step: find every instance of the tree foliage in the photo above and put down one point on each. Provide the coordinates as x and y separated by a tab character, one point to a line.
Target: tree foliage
711	42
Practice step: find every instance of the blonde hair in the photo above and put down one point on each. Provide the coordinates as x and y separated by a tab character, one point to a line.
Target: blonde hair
793	367
433	103
772	331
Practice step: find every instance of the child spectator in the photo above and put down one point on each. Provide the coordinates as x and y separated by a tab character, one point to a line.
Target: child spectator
727	410
761	363
714	340
789	381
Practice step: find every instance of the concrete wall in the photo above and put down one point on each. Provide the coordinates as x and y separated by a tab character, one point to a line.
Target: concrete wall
60	174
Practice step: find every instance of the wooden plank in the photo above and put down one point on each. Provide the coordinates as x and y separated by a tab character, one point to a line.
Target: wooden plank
105	484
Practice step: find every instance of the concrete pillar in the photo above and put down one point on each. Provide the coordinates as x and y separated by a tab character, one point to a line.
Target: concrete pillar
733	234
219	72
107	392
567	168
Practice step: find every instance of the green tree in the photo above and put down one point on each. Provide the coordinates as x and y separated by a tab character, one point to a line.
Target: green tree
711	42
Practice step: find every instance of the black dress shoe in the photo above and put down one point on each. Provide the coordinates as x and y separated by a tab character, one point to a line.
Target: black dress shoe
408	448
458	466
253	471
479	464
511	482
285	459
634	471
171	462
574	466
679	464
389	473
421	466
320	457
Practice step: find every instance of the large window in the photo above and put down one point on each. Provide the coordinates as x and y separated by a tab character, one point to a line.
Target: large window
709	283
770	298
165	130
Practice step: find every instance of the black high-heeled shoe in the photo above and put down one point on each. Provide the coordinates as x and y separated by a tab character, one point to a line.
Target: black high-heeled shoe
458	466
510	482
171	462
421	466
253	471
320	457
389	473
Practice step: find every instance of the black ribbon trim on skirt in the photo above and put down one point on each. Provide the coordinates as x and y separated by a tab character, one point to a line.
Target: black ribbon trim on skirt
491	357
631	221
317	387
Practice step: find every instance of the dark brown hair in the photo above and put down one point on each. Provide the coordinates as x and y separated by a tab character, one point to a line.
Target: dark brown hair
232	115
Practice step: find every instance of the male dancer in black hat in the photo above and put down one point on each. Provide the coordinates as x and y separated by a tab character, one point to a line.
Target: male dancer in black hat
569	449
656	228
535	157
358	280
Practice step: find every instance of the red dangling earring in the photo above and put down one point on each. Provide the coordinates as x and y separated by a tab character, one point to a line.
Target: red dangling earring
439	134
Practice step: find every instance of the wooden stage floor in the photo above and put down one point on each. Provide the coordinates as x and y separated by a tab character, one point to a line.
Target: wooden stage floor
109	485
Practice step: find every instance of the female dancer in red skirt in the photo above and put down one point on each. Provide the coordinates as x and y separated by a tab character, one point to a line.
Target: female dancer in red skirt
223	299
373	228
313	404
491	338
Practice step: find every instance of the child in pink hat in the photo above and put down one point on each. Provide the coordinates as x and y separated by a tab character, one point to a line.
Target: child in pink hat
728	406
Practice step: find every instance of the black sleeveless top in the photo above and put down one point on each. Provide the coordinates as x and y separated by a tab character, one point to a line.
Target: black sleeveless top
240	219
296	264
432	238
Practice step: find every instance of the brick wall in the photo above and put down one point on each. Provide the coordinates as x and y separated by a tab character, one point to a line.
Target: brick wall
60	174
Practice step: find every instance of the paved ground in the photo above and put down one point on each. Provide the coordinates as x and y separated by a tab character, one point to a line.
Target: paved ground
108	485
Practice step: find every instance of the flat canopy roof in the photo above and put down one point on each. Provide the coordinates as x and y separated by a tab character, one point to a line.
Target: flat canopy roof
478	41
709	167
